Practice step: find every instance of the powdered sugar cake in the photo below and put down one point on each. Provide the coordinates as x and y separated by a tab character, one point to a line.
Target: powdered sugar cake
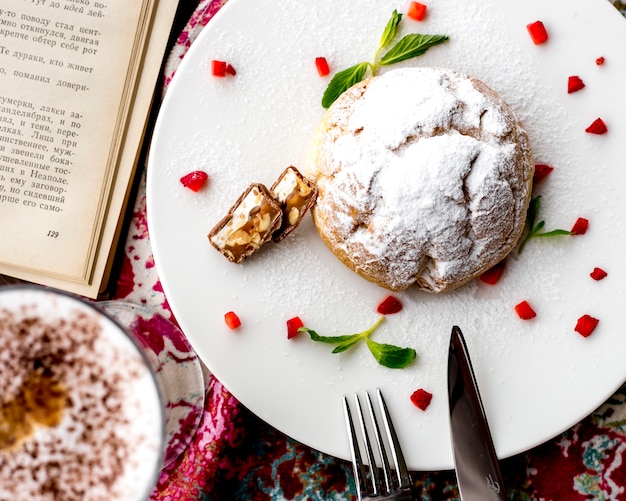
80	414
424	178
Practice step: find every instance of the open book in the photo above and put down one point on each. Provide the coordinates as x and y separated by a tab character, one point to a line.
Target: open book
77	80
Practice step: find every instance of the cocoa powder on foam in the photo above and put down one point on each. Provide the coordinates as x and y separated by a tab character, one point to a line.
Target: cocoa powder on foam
85	455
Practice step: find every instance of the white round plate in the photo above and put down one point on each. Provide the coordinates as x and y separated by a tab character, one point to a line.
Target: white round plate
537	377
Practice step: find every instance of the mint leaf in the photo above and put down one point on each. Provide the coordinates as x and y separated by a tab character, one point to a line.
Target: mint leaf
391	356
344	341
342	81
388	355
411	46
408	47
538	227
533	209
340	348
534	230
390	32
329	339
553	233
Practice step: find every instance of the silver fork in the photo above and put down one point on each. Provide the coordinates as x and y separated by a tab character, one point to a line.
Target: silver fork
374	487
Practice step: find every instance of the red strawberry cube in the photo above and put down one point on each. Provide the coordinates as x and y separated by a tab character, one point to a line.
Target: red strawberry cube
194	180
574	84
580	226
389	306
586	325
421	399
597	127
537	32
416	11
232	320
493	274
293	324
598	274
322	66
218	68
525	311
541	172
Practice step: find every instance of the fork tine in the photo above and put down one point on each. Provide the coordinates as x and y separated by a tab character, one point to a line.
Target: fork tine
360	477
371	461
373	486
404	478
381	448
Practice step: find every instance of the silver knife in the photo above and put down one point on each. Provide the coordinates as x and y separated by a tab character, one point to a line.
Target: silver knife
475	461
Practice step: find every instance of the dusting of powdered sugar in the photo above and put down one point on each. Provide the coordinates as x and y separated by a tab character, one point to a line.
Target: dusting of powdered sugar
424	178
249	128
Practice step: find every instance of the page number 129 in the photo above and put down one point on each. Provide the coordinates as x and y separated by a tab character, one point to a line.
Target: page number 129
53	234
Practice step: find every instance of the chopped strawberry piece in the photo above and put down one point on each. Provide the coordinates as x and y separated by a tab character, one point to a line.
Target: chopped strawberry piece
541	172
586	325
598	274
580	226
232	320
230	70
218	68
525	311
293	324
322	66
493	274
421	399
574	84
597	127
600	61
416	11
194	180
537	32
389	306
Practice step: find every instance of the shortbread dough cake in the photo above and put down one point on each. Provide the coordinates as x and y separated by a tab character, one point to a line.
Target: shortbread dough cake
424	178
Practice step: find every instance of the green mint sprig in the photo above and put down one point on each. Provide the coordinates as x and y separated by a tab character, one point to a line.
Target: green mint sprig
387	355
407	47
536	230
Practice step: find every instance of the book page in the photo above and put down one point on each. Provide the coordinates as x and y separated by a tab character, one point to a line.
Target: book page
65	72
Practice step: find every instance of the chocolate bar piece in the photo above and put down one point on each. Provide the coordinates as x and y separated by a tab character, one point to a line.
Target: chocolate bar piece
296	194
250	223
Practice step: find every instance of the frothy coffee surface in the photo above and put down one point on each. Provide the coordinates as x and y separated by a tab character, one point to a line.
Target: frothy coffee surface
79	415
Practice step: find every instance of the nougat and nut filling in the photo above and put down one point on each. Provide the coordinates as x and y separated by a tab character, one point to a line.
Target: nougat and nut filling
248	225
296	195
253	233
297	200
261	214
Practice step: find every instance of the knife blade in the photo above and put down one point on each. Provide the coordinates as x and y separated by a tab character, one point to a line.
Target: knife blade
475	461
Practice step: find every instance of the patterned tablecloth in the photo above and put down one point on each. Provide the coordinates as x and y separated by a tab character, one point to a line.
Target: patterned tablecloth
234	455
